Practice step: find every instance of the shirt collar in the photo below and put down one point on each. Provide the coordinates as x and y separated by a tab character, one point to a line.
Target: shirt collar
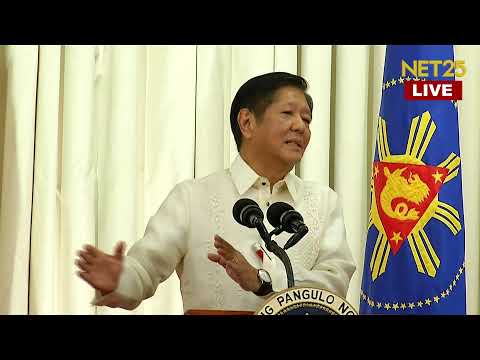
294	185
244	177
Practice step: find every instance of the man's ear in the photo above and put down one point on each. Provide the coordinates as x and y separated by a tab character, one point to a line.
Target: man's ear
247	122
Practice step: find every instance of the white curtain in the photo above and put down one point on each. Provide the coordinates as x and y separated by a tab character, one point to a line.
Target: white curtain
92	139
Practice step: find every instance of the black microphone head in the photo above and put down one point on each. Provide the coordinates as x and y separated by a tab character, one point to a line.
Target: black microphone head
275	212
245	211
290	220
239	206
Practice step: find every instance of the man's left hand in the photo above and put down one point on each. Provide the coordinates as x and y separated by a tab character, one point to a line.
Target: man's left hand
235	264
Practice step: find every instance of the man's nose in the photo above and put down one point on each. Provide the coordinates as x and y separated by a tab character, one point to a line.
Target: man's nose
298	124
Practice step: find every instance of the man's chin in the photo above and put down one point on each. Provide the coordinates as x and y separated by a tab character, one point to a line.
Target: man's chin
292	158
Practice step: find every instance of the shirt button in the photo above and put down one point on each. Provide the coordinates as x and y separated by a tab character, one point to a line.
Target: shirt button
264	183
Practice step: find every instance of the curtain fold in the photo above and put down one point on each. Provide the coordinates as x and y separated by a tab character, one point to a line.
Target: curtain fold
316	67
169	143
78	179
20	90
44	259
350	149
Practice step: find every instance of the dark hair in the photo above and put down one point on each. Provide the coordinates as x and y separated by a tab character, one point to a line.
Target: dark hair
259	92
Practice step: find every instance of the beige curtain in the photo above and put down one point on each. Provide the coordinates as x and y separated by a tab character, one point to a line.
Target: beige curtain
92	139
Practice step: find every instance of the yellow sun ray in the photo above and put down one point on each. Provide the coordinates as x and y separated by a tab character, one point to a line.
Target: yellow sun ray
380	255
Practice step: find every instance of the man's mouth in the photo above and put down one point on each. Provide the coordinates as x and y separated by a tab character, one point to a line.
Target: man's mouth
294	142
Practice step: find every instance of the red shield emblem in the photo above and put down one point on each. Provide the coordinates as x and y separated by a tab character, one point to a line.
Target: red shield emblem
403	192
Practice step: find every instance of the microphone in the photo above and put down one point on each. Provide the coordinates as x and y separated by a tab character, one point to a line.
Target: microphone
283	214
247	213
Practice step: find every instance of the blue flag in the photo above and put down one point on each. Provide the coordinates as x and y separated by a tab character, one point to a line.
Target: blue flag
415	248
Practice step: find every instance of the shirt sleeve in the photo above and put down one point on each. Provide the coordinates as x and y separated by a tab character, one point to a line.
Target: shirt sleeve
153	258
334	265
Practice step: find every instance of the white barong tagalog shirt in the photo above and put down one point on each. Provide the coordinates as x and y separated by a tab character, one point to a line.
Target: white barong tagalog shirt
181	234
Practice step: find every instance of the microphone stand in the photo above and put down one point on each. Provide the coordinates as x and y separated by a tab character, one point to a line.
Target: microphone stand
283	256
296	237
272	246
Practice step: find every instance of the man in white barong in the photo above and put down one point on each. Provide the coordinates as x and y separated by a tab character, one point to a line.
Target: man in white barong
220	263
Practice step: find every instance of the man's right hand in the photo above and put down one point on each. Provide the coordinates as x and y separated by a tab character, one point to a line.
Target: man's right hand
100	270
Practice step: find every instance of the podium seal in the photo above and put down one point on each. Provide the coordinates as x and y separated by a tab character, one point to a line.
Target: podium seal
306	301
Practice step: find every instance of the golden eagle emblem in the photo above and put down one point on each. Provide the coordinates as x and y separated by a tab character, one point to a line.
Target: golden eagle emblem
412	189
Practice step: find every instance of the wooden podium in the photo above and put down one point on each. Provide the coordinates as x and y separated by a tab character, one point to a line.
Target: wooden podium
217	312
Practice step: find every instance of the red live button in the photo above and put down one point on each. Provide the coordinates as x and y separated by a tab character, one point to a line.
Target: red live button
433	90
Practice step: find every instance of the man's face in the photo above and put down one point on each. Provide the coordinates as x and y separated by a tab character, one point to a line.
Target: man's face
283	133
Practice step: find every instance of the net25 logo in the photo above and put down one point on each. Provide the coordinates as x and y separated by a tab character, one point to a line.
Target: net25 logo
433	89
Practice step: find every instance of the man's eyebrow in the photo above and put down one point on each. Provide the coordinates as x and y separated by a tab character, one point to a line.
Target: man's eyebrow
293	103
